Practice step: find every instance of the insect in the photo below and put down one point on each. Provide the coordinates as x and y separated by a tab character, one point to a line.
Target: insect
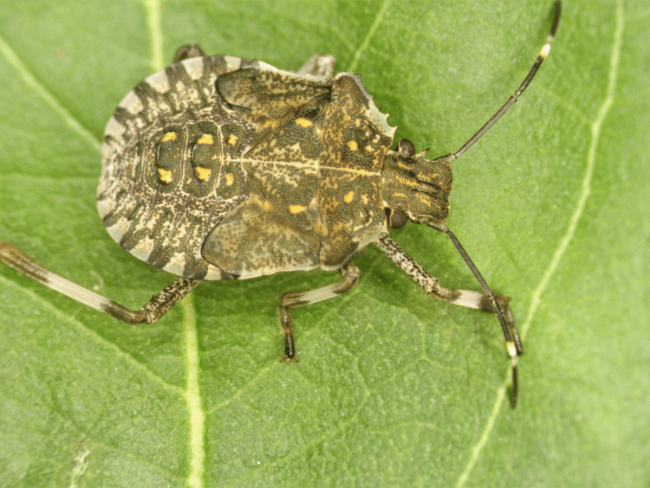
220	168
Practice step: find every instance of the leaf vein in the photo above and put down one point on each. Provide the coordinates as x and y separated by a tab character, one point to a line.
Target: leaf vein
596	126
99	339
371	32
193	395
154	23
327	435
31	80
68	421
567	104
263	371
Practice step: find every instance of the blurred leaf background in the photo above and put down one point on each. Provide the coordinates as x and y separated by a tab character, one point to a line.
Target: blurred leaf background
393	388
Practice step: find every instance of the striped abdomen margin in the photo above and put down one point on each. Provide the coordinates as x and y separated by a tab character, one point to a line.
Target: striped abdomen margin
171	165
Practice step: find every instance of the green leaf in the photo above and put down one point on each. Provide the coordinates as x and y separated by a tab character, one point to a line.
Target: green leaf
393	388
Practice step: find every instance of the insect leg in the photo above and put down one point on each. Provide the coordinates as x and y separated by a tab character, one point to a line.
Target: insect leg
319	65
488	301
161	303
350	274
188	51
511	101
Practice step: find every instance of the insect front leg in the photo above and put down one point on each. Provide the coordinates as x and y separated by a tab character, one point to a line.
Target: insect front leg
161	303
350	274
487	302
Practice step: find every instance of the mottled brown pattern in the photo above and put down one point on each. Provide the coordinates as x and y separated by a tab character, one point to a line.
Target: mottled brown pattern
165	222
163	301
350	173
269	94
295	138
428	283
259	239
254	171
417	186
352	137
351	207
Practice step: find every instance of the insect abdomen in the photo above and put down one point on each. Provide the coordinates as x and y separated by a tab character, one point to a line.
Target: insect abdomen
171	166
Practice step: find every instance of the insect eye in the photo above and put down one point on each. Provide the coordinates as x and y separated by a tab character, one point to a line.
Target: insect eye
397	219
406	147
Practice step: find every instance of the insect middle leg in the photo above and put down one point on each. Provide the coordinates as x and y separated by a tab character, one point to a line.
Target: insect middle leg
350	274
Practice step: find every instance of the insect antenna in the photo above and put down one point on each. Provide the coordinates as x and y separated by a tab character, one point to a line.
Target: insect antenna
506	320
511	101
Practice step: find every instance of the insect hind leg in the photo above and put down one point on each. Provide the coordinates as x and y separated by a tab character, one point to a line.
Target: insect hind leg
350	274
188	51
161	303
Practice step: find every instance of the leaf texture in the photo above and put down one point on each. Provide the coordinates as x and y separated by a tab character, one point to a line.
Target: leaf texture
392	387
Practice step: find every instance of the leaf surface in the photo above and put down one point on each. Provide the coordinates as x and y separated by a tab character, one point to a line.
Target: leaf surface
392	387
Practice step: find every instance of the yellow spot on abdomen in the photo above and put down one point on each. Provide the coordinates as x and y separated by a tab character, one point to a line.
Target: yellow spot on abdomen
232	139
294	209
169	136
369	148
303	122
202	173
206	139
230	179
349	196
353	145
164	175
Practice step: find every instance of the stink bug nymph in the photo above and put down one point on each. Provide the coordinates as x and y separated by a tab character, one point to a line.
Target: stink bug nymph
220	168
